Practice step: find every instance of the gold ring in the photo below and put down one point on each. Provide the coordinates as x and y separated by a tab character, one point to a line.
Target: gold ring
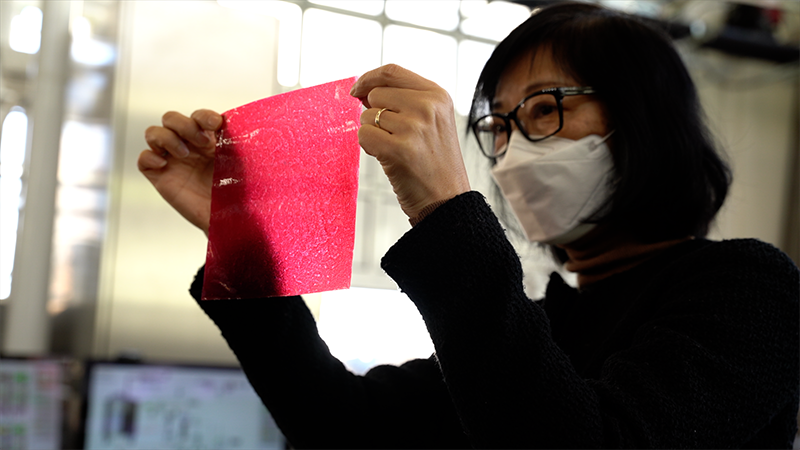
378	118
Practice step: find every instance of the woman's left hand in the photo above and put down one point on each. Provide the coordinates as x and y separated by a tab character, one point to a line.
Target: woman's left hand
416	143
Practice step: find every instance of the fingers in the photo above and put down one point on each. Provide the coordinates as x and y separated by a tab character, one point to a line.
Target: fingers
375	142
370	136
390	75
368	117
179	131
187	128
207	119
415	140
150	161
164	141
407	111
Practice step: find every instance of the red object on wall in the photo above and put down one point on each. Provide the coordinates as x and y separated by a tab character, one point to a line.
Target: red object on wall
283	202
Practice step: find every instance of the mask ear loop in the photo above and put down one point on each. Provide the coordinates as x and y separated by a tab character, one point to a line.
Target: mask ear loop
605	138
602	139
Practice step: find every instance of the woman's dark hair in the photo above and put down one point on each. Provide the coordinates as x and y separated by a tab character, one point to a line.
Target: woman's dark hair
669	180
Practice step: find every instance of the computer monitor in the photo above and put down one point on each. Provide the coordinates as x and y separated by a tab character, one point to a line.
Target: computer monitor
31	403
147	406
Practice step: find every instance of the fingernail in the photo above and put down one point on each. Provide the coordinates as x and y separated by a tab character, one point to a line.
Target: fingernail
213	121
353	91
202	138
162	162
183	150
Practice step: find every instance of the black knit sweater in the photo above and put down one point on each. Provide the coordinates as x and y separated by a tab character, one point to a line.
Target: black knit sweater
697	347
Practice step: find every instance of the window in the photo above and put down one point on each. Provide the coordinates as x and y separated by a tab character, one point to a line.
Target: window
13	145
437	62
337	46
25	31
439	14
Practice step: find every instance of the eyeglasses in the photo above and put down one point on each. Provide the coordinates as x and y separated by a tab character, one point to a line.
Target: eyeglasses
538	116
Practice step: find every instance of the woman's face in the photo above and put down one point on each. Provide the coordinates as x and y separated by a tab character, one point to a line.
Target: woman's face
583	114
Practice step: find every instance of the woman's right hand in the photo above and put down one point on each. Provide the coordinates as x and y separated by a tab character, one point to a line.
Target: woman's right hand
180	162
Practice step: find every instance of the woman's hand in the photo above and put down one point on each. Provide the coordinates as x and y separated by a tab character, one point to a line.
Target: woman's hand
180	162
417	143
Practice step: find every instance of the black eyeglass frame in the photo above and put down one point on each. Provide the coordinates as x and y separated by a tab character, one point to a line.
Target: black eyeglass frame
558	92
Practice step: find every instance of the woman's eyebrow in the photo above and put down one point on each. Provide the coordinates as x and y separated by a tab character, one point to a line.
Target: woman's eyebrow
539	85
530	89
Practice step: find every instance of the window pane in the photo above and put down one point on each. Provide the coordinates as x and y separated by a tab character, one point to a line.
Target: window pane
13	142
472	56
73	200
337	46
647	8
493	20
10	190
470	8
289	26
86	48
441	14
371	7
289	17
84	153
437	62
25	34
390	329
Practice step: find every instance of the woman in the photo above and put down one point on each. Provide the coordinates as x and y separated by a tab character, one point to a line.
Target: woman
671	340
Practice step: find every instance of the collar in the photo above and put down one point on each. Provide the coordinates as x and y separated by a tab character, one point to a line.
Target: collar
604	252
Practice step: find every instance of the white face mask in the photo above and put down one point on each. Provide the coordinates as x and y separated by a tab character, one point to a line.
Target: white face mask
555	184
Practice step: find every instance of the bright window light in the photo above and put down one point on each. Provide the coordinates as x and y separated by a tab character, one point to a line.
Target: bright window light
371	7
470	8
10	190
25	31
472	56
367	327
13	142
439	14
337	46
84	151
493	20
289	35
647	8
87	50
81	199
437	62
77	219
289	16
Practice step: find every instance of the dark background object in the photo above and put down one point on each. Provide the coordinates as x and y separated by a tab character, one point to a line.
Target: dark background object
748	32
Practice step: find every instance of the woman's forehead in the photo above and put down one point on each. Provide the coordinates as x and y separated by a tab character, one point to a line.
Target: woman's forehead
527	74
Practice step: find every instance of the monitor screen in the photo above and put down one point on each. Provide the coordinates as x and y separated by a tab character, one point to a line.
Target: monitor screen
146	406
31	402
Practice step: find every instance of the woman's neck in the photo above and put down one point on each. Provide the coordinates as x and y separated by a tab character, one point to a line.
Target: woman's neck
604	252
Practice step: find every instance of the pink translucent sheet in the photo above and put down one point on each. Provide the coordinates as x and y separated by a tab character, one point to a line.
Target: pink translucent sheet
283	202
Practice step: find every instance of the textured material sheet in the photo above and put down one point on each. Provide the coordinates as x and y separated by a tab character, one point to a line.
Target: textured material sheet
283	202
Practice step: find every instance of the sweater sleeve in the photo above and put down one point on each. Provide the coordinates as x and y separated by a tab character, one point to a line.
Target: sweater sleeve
724	340
314	399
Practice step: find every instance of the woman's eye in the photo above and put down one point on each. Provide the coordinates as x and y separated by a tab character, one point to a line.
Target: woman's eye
494	125
498	128
544	109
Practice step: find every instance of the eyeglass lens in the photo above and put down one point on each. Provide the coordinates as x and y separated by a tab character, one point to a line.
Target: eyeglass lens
537	117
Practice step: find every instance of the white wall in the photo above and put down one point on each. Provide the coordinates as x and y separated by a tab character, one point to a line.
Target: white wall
752	107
